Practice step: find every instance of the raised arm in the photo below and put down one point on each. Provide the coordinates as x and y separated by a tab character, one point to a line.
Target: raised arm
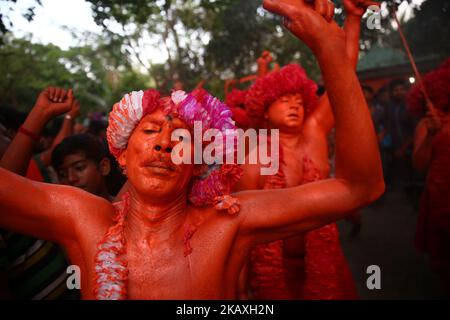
322	118
46	211
229	85
65	131
263	63
354	10
359	178
50	103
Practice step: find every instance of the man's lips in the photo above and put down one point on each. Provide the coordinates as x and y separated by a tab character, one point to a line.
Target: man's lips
159	165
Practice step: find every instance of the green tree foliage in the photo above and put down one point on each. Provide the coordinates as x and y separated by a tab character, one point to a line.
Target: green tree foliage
210	40
429	32
205	40
98	78
26	68
236	33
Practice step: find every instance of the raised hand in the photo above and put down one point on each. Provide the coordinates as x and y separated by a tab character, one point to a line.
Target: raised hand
54	101
358	7
229	85
311	21
75	109
265	58
263	63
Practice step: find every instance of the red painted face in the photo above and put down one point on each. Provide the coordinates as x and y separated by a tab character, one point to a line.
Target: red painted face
148	158
287	112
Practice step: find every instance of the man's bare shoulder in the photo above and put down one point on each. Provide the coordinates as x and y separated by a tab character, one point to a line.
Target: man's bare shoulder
209	219
83	206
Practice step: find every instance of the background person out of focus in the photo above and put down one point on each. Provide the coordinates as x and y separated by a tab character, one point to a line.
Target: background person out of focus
376	110
83	161
33	268
382	97
432	155
399	132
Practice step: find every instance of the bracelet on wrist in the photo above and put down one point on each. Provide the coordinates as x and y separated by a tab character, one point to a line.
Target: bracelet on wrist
29	134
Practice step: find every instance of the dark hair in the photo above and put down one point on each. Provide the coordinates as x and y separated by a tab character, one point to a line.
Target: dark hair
86	143
395	83
367	88
97	126
320	90
383	89
12	118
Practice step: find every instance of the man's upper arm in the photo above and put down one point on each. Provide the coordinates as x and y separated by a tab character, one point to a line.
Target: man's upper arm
43	210
322	116
268	215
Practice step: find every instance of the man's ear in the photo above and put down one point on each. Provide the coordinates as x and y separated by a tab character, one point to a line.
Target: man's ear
122	159
105	167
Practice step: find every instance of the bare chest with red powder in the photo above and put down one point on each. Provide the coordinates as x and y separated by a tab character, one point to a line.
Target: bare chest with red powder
193	265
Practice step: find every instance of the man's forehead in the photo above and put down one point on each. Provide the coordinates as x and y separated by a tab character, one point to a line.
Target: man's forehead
291	96
295	95
159	117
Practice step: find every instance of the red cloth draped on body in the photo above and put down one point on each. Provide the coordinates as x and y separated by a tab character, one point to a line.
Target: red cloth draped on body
322	273
433	226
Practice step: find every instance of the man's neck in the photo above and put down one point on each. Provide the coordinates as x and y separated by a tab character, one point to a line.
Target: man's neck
290	140
155	220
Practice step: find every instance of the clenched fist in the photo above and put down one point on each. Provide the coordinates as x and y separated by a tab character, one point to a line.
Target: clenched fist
54	101
311	21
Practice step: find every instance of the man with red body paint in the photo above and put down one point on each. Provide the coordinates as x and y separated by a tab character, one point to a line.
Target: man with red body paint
158	207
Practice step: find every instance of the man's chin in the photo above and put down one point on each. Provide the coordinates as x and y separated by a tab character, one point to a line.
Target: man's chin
293	126
157	188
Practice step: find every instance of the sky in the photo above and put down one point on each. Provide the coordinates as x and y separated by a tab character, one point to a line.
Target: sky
47	24
54	20
51	18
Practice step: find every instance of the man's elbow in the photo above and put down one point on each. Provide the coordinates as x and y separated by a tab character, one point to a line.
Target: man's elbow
378	190
372	191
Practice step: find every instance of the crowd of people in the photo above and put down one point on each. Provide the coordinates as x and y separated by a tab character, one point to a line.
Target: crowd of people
283	244
412	125
395	127
66	152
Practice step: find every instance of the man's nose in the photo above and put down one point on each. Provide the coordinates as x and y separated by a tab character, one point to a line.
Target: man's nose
163	142
72	176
